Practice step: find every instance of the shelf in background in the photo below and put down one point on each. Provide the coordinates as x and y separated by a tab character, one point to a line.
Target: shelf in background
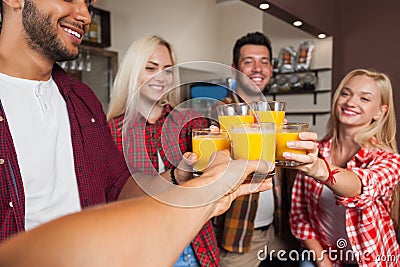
307	112
302	71
300	92
314	113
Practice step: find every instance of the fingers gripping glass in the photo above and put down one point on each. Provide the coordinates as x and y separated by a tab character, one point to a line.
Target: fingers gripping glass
285	133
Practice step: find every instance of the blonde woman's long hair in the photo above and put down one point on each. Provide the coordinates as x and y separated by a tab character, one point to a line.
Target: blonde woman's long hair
379	133
127	81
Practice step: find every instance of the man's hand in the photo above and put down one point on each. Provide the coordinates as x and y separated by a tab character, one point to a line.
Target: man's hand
78	239
184	170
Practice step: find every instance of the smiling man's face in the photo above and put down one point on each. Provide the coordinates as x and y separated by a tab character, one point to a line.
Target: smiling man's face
255	63
56	35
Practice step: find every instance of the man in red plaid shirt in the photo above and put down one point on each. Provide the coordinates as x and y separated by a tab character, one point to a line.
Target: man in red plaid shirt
56	152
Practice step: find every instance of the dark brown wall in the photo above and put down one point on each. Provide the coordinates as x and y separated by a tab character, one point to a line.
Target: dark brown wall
319	13
370	39
366	34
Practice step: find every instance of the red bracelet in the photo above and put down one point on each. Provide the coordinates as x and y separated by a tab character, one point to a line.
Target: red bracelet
331	179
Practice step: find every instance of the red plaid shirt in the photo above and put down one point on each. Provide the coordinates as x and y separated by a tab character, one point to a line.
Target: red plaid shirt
368	225
170	136
100	169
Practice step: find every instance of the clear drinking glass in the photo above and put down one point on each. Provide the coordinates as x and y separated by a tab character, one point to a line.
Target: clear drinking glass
253	141
269	111
204	143
285	133
236	113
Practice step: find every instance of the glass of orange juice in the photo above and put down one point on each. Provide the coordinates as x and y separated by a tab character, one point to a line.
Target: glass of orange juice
236	113
204	143
254	141
285	133
269	111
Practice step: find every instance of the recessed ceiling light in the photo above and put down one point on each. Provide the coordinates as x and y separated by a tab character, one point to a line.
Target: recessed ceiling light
321	35
264	6
297	23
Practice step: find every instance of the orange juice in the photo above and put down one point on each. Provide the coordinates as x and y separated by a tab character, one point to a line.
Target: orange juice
253	144
226	122
276	117
205	145
285	133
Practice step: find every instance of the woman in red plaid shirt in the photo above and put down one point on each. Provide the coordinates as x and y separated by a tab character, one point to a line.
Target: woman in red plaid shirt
159	133
345	192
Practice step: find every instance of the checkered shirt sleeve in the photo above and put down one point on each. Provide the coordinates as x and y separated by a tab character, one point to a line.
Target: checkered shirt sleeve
169	137
368	224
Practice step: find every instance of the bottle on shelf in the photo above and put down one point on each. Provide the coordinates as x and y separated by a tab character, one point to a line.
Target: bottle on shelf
93	32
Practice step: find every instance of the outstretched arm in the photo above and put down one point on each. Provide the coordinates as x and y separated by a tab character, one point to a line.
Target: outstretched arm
138	232
346	184
183	172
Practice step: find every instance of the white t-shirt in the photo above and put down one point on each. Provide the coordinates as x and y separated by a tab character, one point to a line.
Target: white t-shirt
161	167
265	209
39	125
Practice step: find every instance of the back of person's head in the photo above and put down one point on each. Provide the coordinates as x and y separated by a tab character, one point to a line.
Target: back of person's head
380	133
253	38
1	11
128	79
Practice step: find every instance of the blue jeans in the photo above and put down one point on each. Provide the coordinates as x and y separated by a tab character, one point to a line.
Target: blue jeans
187	258
308	263
312	264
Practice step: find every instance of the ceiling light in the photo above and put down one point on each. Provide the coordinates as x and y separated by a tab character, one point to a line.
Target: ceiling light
321	35
264	6
297	23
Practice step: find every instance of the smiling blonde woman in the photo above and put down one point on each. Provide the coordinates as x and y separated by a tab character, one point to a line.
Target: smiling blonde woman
143	106
346	196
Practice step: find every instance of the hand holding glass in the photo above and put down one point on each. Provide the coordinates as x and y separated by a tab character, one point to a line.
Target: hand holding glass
204	143
285	133
253	141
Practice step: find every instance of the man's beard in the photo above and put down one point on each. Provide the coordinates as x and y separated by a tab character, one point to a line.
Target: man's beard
40	34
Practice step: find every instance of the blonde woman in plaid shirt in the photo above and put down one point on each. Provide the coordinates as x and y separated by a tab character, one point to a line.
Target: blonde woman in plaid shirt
345	192
161	134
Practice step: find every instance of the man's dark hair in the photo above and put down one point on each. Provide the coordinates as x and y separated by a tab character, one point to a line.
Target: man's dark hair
1	10
253	38
1	14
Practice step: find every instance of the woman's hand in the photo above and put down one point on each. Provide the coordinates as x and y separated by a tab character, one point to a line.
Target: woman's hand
312	165
315	248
